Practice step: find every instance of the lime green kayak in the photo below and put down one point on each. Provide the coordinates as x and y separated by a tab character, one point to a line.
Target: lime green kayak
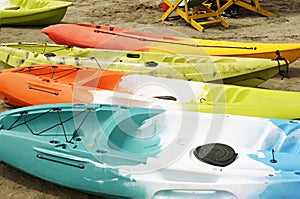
228	70
32	12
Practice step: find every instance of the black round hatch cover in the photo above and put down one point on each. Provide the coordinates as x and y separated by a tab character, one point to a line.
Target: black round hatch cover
216	154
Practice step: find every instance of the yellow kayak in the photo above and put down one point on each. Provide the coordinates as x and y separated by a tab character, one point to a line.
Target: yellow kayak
115	38
228	70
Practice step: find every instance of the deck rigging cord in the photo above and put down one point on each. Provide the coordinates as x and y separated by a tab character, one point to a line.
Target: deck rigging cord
282	72
60	122
97	30
31	69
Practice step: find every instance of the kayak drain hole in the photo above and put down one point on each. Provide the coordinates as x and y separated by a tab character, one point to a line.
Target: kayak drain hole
49	55
53	141
151	64
39	156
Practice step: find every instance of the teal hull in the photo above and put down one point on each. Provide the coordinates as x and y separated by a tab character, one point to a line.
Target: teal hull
75	161
145	153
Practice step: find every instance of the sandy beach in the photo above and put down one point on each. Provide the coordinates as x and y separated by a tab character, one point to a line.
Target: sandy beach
145	15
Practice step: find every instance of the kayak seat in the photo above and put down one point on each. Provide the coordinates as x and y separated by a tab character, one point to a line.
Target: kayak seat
272	139
291	143
195	12
128	137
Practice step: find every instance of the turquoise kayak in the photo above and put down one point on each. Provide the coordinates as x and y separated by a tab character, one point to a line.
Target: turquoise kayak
141	153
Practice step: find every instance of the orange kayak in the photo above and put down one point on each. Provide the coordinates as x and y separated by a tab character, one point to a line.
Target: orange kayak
48	84
107	37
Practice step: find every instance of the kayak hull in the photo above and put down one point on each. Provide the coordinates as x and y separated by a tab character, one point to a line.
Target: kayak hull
34	13
45	84
107	37
163	164
229	70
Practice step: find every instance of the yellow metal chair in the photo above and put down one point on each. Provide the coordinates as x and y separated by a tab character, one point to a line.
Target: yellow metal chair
252	5
196	13
195	10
